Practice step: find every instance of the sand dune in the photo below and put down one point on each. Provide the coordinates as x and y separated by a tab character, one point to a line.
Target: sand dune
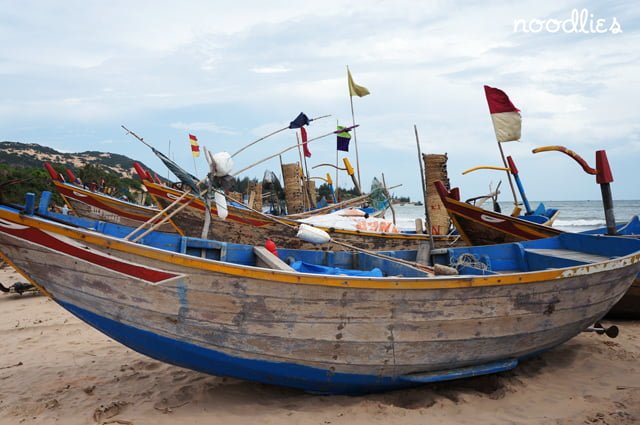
56	369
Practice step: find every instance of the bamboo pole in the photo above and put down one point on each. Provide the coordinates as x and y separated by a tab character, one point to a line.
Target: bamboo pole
288	149
166	218
304	198
272	134
386	191
307	187
155	217
504	161
338	205
355	138
418	266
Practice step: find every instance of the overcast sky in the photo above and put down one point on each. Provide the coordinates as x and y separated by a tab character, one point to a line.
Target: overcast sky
71	72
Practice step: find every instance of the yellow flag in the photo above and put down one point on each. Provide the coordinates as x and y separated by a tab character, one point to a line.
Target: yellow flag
355	89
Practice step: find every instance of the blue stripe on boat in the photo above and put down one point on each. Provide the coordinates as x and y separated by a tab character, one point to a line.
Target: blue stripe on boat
292	375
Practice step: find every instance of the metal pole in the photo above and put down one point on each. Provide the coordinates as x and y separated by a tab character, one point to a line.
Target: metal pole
607	202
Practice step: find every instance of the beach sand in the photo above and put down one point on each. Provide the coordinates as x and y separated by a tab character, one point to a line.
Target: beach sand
56	369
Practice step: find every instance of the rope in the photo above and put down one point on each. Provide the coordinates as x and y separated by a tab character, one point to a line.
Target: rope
469	260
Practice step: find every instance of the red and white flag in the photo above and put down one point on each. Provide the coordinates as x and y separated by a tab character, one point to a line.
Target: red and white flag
506	118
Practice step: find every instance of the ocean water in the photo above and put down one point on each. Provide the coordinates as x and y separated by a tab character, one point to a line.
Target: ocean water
575	216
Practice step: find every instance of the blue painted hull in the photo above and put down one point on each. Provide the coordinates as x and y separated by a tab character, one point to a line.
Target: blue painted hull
306	378
322	334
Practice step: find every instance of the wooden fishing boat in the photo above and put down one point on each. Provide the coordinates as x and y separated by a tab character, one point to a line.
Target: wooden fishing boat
629	306
478	226
245	226
482	227
540	215
216	312
99	206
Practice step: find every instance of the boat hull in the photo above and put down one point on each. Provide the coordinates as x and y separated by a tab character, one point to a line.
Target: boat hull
629	305
248	227
98	206
328	334
481	227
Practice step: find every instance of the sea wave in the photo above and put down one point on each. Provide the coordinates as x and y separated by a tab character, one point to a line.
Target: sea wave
579	223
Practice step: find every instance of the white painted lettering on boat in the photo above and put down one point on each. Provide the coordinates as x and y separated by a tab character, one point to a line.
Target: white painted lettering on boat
107	216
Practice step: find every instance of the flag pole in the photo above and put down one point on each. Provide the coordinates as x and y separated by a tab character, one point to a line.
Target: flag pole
304	198
337	186
355	138
291	147
305	181
273	133
513	190
195	168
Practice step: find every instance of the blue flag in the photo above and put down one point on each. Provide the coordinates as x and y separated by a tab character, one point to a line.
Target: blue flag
343	139
300	120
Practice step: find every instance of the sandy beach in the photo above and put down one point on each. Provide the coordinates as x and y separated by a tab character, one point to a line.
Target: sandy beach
56	369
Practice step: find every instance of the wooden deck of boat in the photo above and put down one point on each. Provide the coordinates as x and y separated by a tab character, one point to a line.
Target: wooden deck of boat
569	255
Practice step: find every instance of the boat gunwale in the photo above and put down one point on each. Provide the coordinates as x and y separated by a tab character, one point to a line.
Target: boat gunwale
99	195
197	203
293	277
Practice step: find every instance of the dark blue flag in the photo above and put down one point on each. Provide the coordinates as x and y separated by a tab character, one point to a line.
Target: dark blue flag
343	140
300	120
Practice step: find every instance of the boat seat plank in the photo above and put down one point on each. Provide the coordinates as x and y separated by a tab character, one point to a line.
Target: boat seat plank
266	259
569	255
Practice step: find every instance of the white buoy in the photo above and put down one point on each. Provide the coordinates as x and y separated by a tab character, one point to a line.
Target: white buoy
221	205
313	234
223	163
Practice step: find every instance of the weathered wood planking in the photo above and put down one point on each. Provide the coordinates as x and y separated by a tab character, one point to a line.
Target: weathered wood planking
276	321
98	206
481	227
247	227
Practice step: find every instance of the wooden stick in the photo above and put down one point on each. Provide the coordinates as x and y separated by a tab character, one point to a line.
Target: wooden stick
415	265
307	185
386	192
155	217
355	138
273	133
339	205
259	140
288	149
167	217
513	190
304	197
418	266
